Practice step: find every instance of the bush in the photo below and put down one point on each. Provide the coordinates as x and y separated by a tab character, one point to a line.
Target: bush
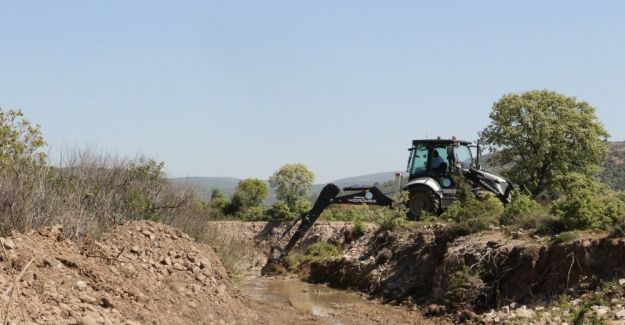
252	214
476	213
589	204
566	236
279	211
358	229
524	212
315	252
463	289
87	193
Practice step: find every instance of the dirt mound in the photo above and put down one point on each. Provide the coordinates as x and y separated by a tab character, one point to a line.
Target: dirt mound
141	273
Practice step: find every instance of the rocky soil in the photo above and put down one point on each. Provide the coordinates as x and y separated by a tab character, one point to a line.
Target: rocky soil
149	273
490	277
142	273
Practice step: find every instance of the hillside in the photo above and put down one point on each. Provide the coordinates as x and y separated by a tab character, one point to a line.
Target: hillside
204	185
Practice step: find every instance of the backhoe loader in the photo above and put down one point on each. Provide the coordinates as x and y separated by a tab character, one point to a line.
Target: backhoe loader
430	185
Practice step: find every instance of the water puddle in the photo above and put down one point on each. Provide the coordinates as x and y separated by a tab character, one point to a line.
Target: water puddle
317	300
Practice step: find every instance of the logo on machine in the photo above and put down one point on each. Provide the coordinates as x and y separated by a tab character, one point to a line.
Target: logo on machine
366	199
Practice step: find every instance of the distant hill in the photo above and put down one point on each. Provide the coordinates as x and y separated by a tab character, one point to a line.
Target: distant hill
205	185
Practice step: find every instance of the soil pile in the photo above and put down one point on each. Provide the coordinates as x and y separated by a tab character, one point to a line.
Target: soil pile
141	273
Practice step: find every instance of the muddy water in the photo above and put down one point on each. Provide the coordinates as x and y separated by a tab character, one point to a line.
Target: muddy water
326	305
317	300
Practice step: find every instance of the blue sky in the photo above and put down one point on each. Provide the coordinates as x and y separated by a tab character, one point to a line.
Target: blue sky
238	88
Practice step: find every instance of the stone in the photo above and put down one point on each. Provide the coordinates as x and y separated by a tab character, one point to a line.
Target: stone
523	312
204	263
86	320
81	285
620	314
135	249
601	311
8	243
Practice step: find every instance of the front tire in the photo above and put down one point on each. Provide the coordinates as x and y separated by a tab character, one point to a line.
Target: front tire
422	199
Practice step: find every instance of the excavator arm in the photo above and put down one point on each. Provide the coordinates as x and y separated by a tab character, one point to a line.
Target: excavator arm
370	195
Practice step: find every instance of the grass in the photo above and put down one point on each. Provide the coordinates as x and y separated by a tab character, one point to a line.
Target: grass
316	252
566	236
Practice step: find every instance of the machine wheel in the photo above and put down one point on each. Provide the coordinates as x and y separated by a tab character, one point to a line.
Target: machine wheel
422	199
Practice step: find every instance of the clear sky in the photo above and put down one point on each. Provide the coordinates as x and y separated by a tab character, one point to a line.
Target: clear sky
238	88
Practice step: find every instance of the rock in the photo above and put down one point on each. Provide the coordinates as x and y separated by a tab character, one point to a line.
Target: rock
81	285
85	298
621	282
8	243
86	320
135	249
523	312
601	311
620	314
106	303
146	232
204	263
384	255
506	309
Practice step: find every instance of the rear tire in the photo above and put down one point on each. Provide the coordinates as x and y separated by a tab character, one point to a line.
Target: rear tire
422	199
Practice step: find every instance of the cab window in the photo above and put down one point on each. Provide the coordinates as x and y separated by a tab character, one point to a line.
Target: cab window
418	160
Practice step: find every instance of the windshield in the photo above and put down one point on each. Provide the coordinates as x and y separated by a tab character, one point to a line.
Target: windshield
417	165
463	156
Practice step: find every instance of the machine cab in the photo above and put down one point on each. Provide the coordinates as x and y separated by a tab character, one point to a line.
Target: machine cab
439	159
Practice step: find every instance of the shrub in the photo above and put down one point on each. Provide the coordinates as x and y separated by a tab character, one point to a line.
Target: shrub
279	211
566	236
524	212
319	251
477	213
252	214
88	193
358	229
589	204
463	289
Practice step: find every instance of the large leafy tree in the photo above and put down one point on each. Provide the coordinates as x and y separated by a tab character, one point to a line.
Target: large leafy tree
291	183
542	136
20	140
250	193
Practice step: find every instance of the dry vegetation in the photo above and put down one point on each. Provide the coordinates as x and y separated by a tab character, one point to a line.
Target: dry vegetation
88	193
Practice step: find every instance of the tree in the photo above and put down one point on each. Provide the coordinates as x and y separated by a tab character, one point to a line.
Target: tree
291	183
250	193
20	140
541	136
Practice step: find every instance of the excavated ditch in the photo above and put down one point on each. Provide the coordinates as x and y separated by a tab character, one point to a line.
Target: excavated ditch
437	267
